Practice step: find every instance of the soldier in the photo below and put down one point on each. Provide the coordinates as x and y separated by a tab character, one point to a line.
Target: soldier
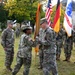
68	45
17	31
49	49
74	37
59	43
8	44
73	32
24	54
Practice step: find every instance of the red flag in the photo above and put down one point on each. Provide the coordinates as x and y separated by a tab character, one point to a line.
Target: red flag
56	23
48	12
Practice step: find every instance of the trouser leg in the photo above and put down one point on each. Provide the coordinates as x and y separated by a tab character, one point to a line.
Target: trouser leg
27	64
17	66
9	54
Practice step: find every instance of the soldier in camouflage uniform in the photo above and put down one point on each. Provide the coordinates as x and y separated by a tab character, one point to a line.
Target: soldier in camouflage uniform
73	32
41	37
68	46
49	49
24	54
73	38
8	44
59	43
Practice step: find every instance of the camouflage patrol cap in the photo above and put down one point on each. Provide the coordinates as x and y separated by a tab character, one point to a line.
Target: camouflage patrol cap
10	22
23	27
42	21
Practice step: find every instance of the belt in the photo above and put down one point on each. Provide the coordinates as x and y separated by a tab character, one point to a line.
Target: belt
45	46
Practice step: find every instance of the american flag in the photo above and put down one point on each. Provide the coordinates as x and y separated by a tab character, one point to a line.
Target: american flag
48	12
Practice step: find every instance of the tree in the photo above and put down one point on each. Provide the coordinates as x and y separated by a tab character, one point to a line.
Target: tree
21	10
3	16
3	13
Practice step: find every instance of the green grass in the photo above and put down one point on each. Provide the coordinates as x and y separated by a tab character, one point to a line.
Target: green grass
64	68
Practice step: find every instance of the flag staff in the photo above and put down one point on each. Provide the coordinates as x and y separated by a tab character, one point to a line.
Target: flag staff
37	27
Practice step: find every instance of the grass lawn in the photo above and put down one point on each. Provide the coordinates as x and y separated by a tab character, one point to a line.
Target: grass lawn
64	68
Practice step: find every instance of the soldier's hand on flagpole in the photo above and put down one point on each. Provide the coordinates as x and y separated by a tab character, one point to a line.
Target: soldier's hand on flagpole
30	39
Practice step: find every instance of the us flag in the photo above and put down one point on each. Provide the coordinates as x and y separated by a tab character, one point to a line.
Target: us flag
48	12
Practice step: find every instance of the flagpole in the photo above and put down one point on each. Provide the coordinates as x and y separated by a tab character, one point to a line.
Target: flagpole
37	27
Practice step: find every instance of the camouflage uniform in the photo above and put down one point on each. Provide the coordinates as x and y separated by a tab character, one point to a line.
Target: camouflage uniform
49	52
59	43
8	44
41	37
17	31
73	32
24	54
68	45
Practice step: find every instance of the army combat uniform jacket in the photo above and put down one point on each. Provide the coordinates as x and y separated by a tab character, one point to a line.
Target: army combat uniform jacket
25	46
8	44
7	38
49	52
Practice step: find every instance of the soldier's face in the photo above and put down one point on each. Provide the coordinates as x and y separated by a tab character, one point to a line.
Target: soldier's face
43	26
10	25
29	31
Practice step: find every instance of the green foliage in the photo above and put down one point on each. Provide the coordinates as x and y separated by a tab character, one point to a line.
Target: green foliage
21	10
3	14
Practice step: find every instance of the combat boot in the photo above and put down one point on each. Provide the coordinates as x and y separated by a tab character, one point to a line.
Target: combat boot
40	67
13	73
58	57
9	68
68	59
65	59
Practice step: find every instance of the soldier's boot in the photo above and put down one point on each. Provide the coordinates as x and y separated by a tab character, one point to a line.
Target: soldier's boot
13	73
40	67
68	59
65	59
9	68
58	57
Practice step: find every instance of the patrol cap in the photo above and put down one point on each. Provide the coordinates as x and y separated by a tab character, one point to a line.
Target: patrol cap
23	27
10	22
42	21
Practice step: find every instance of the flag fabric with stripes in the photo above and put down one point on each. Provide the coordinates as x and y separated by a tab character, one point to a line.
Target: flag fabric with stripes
68	18
56	23
48	12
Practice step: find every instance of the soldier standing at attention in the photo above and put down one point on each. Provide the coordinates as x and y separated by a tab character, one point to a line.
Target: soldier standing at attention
68	46
24	54
49	49
59	42
8	44
73	32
